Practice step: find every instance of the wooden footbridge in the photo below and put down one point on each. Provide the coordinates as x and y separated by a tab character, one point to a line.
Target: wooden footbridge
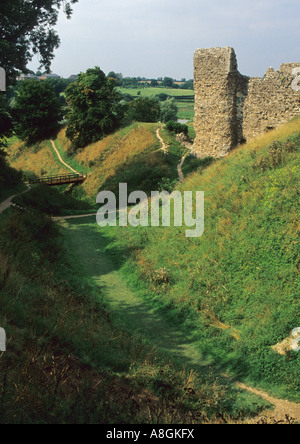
62	179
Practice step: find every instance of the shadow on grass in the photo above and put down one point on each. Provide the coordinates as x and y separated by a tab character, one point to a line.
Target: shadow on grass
100	263
97	259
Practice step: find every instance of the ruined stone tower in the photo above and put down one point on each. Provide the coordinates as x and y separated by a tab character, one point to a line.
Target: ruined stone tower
231	108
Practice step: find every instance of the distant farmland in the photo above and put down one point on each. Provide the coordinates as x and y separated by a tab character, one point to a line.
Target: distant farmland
185	98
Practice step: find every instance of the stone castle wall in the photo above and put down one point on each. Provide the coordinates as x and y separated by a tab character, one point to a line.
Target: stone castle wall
231	108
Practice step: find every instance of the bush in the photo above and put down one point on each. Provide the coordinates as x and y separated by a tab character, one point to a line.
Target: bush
143	110
168	110
36	111
93	108
177	127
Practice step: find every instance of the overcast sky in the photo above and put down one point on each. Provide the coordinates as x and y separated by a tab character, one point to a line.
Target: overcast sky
157	38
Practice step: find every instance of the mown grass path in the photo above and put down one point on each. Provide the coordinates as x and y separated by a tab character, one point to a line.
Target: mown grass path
87	243
60	158
88	246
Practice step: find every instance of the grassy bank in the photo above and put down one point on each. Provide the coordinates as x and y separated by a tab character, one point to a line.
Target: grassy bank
236	287
233	293
67	361
131	155
37	160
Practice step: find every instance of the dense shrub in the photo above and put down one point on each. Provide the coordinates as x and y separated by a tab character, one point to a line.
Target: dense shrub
36	111
177	127
143	109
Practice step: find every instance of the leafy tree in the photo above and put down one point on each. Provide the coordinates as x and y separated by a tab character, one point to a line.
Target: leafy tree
162	97
5	119
129	82
117	76
168	110
94	109
8	176
27	28
167	82
177	127
144	109
59	86
36	111
154	83
5	129
189	84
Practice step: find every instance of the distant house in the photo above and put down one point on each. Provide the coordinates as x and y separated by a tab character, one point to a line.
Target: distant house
49	76
22	77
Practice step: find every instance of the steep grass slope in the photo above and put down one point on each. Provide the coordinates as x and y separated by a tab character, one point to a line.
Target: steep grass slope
130	155
67	361
37	160
237	286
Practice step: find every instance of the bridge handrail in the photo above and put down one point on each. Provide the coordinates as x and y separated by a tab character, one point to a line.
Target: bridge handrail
59	177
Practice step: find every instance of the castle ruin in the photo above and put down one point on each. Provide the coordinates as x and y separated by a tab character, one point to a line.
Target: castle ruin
231	108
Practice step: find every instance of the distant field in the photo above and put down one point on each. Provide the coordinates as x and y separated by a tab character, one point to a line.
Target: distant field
184	97
147	92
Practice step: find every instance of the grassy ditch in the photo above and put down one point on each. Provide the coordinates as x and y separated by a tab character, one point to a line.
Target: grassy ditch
237	286
66	360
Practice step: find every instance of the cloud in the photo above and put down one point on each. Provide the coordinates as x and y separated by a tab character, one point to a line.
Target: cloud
158	37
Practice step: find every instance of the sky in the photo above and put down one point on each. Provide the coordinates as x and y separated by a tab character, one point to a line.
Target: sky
158	38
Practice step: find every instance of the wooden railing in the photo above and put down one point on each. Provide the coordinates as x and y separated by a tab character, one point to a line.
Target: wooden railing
61	179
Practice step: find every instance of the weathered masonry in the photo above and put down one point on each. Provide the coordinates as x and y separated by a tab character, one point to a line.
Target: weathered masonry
230	108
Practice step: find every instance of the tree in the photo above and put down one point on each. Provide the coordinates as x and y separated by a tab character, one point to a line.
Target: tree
94	109
8	176
162	97
154	83
167	82
5	119
189	84
36	111
117	76
168	110
144	109
27	28
177	127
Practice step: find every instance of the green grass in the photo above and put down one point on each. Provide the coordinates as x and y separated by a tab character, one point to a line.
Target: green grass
37	160
69	160
132	155
11	190
69	360
185	111
225	299
185	106
148	92
53	201
10	180
132	311
237	287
